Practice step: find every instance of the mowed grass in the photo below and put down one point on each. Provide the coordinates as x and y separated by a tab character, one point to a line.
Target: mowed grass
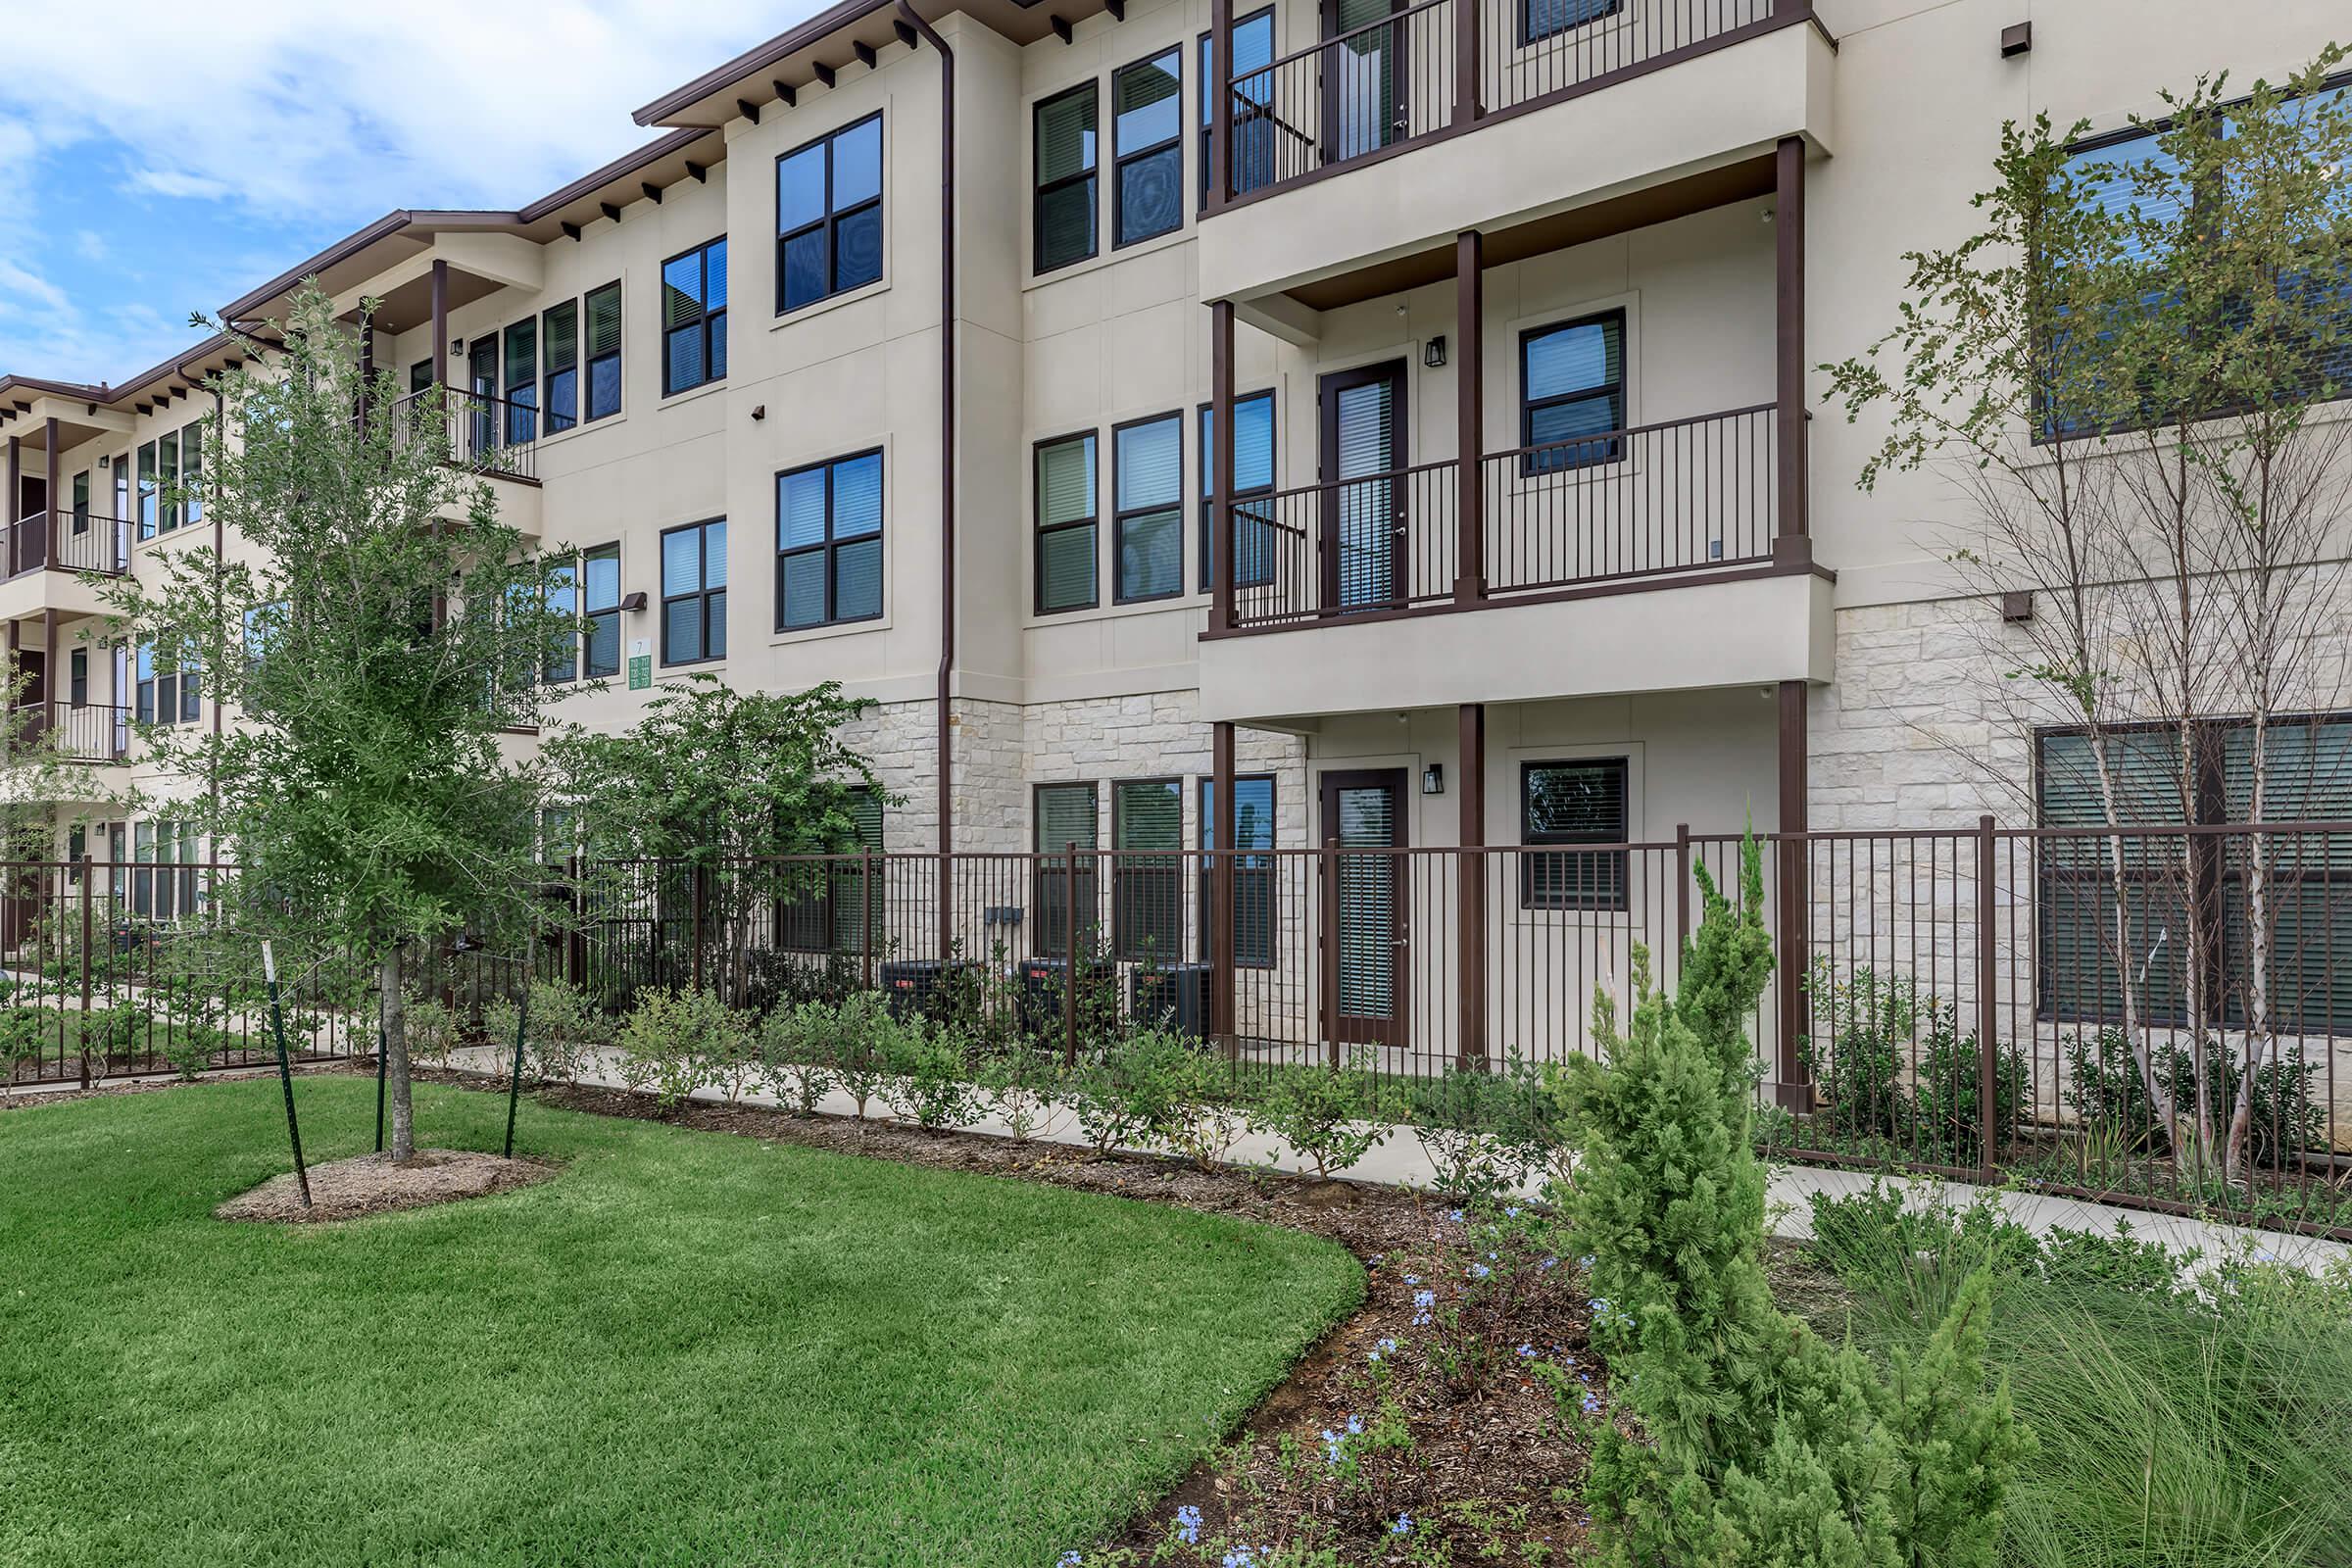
685	1349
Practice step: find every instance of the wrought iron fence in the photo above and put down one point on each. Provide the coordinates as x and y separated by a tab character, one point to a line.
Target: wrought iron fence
487	434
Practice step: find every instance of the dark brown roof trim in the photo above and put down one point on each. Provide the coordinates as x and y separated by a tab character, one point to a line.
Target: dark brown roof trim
758	62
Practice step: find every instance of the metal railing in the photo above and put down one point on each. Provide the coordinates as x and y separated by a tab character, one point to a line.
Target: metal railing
1686	495
73	732
66	541
486	432
1401	78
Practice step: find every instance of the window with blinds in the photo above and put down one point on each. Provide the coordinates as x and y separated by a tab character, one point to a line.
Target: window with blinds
560	389
1063	816
829	543
1147	460
1147	825
1064	216
1572	385
602	306
1252	479
1578	801
694	318
1066	521
562	659
694	593
1147	147
2090	946
829	912
1549	18
522	381
1254	867
1252	130
600	612
829	216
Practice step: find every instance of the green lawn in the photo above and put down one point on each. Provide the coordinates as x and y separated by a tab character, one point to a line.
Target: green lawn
686	1348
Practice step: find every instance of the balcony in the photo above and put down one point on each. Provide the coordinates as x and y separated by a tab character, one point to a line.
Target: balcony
71	732
55	562
495	437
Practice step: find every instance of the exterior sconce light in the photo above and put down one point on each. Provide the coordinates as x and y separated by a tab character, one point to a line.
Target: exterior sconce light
1433	779
635	601
1432	352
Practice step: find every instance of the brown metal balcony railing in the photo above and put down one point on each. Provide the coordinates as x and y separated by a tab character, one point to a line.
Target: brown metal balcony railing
1687	494
487	434
66	541
73	732
1443	65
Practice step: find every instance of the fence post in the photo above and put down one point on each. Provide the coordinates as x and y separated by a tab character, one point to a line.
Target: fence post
1988	1013
866	896
1328	868
1069	973
89	880
1682	893
701	890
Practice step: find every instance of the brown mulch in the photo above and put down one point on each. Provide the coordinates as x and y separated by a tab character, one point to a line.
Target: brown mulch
377	1183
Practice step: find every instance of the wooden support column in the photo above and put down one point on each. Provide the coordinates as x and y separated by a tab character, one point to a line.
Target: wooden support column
1794	904
1470	406
441	324
52	459
1471	781
1221	843
1792	542
16	495
52	669
1466	62
1218	95
1220	516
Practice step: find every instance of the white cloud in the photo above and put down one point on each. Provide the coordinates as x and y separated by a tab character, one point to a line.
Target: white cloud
292	112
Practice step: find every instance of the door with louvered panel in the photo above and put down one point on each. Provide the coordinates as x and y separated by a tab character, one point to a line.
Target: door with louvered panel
1364	930
1364	451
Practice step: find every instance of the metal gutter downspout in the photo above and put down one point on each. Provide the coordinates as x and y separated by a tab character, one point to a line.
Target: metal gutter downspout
947	459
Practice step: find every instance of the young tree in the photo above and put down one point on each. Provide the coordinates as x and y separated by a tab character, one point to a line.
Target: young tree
375	632
2120	368
710	794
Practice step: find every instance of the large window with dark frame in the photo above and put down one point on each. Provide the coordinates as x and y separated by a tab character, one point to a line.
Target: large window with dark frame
1146	133
2086	955
1253	867
173	462
157	890
694	318
694	593
1252	479
1062	223
828	913
1063	816
559	386
563	661
602	308
600	612
1252	130
1539	20
829	216
1146	484
1570	385
169	688
1066	524
522	381
1579	801
829	542
1147	896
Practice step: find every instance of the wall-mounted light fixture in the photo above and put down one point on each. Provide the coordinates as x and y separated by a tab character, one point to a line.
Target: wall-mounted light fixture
759	413
1433	779
2016	40
635	601
1432	352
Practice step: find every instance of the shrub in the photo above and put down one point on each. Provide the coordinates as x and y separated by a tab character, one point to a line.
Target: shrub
1948	1105
1759	1442
1484	1131
564	1032
930	1083
432	1028
1202	1121
1024	1087
2109	1095
865	1036
1131	1091
1869	1023
1331	1118
676	1042
796	1053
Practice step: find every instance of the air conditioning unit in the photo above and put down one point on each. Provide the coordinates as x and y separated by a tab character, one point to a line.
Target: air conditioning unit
1040	991
915	988
1174	998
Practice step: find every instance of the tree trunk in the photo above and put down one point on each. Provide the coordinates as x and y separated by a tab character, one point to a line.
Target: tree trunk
396	1059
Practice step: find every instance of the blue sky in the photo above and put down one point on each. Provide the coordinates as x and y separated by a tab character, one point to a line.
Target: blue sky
168	157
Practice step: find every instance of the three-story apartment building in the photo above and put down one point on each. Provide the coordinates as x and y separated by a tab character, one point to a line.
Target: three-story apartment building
922	345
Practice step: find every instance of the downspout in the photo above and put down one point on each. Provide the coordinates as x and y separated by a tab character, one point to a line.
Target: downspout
944	739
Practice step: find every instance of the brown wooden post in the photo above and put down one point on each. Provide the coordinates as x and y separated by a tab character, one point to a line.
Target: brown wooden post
1470	405
52	459
1217	93
1472	783
1069	955
1466	60
441	324
16	495
1221	846
1792	529
1221	512
89	880
1987	1013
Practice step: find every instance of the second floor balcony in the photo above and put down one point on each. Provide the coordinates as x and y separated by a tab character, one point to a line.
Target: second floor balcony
70	732
495	437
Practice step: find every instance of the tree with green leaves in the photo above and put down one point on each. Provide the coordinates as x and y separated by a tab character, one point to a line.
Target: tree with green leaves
374	632
2122	370
712	794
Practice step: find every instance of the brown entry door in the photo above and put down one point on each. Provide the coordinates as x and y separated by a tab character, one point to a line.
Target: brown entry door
1361	462
1365	937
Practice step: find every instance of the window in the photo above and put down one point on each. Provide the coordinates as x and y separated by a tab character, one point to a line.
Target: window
167	463
522	381
600	612
421	376
831	915
1545	18
150	499
602	308
191	472
558	835
694	593
1065	525
1147	832
158	894
261	626
694	318
1146	134
829	543
1253	477
560	393
166	478
1253	127
563	661
1254	874
1064	218
1571	384
1148	521
1064	815
1572	802
81	502
171	691
78	678
2081	965
829	216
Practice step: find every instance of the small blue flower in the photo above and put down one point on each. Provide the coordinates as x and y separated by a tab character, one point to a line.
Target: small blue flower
1454	1216
1478	1271
1527	1352
1188	1524
1494	1257
1069	1559
1511	1212
1585	1261
1404	1525
1599	1306
1412	1279
1591	1404
1239	1558
1548	1264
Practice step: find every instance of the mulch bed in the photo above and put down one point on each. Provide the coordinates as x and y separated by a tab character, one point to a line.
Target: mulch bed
377	1183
